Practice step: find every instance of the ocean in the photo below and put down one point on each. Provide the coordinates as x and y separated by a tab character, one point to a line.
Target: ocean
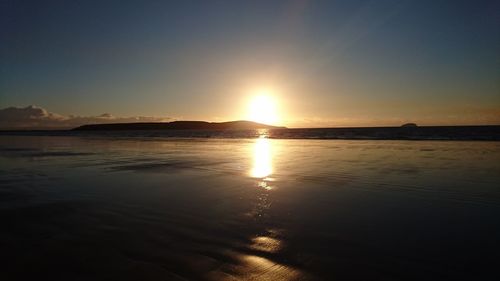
309	204
374	133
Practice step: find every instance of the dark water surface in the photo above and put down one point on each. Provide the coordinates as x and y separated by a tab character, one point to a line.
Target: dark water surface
105	208
484	133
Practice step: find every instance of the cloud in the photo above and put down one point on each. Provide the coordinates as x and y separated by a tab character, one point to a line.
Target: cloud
34	117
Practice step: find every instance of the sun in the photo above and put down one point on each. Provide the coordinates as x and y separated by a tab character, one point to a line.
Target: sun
262	109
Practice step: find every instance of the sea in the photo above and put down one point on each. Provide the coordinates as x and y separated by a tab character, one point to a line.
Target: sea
289	204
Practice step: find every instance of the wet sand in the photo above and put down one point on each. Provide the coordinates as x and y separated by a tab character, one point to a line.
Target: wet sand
90	208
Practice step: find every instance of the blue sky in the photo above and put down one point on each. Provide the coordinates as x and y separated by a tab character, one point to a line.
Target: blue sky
326	62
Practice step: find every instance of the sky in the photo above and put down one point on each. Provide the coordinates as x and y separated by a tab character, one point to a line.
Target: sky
324	63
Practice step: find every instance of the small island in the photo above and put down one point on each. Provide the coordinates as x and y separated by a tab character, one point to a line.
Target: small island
177	125
409	125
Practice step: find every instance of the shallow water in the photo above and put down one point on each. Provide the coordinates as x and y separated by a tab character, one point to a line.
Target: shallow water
105	208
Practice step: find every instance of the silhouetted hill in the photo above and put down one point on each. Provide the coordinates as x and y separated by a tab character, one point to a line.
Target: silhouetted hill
177	125
409	125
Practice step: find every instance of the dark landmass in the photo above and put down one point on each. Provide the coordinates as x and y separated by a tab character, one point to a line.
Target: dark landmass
409	125
177	125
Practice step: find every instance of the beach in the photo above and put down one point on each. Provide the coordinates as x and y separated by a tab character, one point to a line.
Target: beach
111	208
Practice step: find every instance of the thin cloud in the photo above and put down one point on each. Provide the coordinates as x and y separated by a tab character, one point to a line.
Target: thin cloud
34	117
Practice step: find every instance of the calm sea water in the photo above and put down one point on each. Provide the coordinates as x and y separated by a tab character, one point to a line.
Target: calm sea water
108	208
486	133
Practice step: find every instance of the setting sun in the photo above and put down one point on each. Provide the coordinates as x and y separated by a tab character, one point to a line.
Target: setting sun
262	109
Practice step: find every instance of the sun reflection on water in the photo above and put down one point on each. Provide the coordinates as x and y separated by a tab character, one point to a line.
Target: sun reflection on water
262	158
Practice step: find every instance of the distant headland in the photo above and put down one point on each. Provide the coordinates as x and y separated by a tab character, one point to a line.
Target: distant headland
177	125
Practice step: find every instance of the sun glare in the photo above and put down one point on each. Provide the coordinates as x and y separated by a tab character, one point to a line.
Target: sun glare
262	165
262	109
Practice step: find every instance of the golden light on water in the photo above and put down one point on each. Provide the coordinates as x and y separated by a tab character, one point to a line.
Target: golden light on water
266	244
263	108
262	158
